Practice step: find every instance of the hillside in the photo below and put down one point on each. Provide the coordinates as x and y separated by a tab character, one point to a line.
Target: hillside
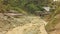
39	15
23	22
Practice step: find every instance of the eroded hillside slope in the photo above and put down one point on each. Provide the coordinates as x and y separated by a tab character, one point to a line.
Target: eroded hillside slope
12	25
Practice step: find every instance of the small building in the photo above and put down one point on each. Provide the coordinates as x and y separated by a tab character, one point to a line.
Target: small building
47	8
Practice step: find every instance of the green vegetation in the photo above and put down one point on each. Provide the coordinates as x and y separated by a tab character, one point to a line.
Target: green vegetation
29	6
54	18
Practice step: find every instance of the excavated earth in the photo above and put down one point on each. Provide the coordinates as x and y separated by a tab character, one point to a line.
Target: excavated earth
22	25
27	25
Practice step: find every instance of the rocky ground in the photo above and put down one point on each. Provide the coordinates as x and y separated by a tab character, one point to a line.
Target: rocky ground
22	25
28	25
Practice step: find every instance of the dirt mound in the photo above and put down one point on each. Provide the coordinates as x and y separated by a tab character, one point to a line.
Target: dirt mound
36	26
8	23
